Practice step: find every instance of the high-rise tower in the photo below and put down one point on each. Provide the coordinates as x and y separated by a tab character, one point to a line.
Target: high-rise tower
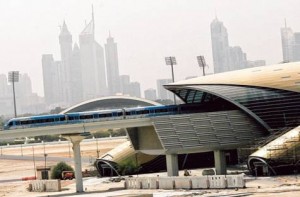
288	41
112	67
92	63
52	80
220	46
76	77
65	41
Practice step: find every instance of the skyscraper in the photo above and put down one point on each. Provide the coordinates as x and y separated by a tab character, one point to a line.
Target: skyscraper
225	57
65	41
237	58
52	79
124	84
112	67
162	92
76	78
92	63
150	94
220	46
288	41
135	89
296	52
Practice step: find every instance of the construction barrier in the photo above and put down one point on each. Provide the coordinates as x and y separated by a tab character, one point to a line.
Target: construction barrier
182	182
45	186
153	183
166	183
199	182
193	182
235	181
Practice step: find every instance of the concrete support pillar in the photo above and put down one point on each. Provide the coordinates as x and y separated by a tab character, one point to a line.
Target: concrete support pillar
76	139
220	162
77	163
172	164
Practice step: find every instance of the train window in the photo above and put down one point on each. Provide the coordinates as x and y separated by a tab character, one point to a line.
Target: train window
24	122
120	114
10	124
62	118
160	110
50	120
145	111
71	118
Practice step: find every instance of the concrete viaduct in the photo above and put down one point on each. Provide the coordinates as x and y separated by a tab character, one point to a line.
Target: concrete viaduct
163	135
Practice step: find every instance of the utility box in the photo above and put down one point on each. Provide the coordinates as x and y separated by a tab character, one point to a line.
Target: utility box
43	173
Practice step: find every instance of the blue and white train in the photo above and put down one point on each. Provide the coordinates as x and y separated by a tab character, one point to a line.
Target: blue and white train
90	116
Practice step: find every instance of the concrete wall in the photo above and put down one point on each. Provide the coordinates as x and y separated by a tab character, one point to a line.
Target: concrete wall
45	186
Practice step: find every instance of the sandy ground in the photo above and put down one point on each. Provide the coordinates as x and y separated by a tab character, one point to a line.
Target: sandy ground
17	162
12	170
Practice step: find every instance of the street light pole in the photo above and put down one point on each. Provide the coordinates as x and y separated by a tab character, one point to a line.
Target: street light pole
201	63
171	61
33	158
13	76
45	169
97	148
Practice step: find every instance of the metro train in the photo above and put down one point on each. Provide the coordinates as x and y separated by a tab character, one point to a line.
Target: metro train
90	116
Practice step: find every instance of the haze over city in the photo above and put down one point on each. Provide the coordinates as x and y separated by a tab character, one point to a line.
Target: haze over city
145	31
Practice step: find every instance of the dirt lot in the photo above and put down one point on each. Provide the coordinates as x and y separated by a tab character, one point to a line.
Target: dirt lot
12	170
19	161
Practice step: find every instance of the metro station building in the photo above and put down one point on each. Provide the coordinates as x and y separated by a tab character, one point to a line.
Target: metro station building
268	96
255	109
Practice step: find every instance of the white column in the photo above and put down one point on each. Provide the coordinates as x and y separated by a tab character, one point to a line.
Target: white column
76	139
220	162
77	163
172	164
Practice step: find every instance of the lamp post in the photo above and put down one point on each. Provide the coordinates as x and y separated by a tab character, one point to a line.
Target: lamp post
13	76
201	63
171	61
33	159
45	170
98	151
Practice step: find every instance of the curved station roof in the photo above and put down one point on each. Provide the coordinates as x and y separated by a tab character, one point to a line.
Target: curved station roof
281	76
269	94
110	102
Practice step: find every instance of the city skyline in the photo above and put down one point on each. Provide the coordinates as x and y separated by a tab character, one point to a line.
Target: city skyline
146	32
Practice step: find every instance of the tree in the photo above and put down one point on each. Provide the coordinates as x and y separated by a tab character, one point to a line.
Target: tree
128	166
59	168
2	122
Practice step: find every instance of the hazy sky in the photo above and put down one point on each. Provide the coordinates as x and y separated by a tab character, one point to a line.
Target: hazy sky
146	31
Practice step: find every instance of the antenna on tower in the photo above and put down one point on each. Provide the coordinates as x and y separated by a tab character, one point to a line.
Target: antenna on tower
285	22
216	14
93	19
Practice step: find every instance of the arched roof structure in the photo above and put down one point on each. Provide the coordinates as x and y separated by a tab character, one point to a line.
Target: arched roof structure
280	76
269	94
111	102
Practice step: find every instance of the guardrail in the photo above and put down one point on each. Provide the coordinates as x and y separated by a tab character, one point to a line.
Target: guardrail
193	182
